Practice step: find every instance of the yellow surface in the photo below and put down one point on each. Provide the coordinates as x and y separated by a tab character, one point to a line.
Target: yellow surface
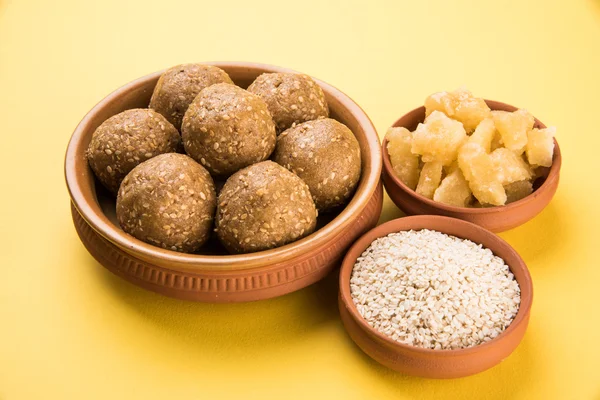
71	330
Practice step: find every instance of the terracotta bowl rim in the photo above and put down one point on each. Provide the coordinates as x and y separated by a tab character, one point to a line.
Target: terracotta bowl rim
93	215
396	225
546	185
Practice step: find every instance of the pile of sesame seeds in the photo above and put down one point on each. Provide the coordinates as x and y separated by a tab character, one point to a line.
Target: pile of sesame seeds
431	290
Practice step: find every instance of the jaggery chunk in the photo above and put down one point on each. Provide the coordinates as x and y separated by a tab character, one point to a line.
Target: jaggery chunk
513	127
496	141
540	146
404	162
488	192
459	105
453	190
440	101
438	139
430	178
473	161
478	168
470	110
518	190
448	169
510	167
484	134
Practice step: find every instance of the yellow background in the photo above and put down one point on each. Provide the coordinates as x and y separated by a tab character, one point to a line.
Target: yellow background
71	330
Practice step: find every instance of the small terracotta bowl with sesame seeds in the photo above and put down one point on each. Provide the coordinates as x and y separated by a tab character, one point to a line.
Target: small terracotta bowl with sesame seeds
212	275
428	363
496	219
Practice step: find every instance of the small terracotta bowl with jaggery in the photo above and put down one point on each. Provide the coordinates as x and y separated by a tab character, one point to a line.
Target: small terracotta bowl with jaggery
496	219
212	275
428	363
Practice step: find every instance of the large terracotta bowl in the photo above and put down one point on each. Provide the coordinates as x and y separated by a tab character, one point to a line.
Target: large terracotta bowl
213	275
426	362
496	219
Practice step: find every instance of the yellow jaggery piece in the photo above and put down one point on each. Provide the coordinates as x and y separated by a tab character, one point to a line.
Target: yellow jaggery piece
460	105
510	167
470	153
453	190
496	141
469	110
430	178
478	168
439	101
438	139
518	190
488	192
448	169
404	162
513	128
540	146
484	134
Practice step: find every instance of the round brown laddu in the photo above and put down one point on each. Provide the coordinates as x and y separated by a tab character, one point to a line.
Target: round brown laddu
178	86
326	155
126	140
263	206
227	128
168	201
291	98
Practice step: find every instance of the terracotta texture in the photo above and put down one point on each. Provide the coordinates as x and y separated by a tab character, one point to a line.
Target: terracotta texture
496	219
220	277
426	362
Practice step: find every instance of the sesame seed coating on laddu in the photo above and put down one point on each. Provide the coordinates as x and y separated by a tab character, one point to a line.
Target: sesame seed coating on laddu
168	201
291	98
126	140
227	128
264	206
326	155
178	86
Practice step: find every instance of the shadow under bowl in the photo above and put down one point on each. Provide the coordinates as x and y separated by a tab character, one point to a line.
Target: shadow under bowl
429	363
213	275
496	219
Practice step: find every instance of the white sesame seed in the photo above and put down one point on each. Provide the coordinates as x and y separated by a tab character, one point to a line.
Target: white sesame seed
431	290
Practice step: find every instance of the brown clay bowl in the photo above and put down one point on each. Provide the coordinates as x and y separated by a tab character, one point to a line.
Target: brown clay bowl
429	363
496	219
213	275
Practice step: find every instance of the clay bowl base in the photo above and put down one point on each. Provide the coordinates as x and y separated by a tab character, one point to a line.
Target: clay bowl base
225	286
